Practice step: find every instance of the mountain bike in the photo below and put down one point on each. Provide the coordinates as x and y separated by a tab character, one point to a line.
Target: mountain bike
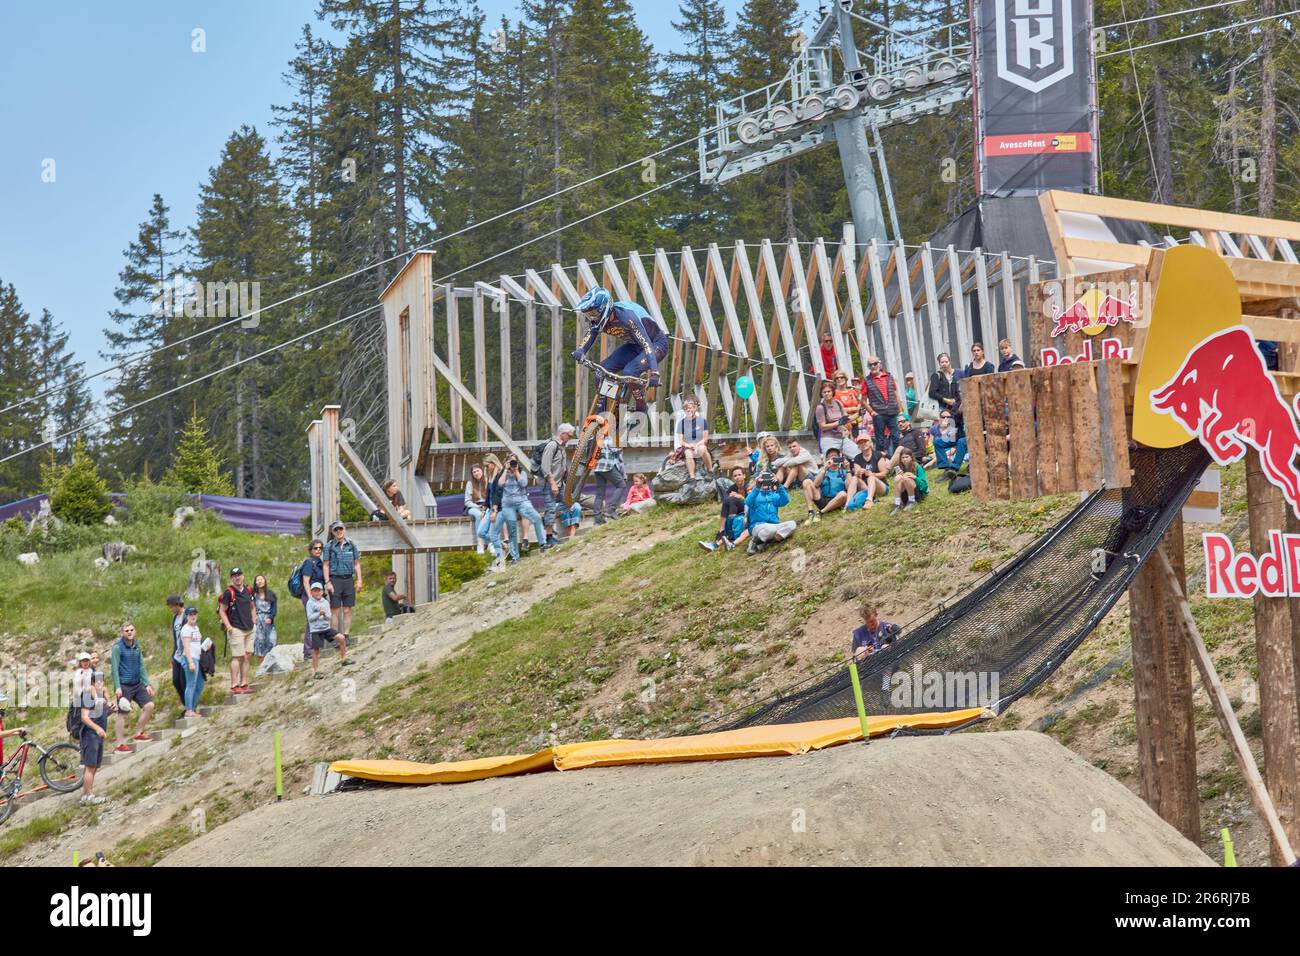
60	768
614	389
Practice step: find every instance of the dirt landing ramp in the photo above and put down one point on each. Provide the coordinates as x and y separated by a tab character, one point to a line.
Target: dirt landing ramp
1015	798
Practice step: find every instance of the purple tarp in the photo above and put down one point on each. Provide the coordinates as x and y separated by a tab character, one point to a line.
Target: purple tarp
246	514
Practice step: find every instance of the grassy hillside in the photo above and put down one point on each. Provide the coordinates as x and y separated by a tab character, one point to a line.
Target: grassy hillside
673	635
52	610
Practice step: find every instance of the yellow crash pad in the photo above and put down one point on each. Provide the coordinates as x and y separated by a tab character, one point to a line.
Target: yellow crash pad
772	740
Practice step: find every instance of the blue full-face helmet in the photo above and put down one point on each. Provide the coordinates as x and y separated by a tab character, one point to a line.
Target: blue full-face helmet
595	305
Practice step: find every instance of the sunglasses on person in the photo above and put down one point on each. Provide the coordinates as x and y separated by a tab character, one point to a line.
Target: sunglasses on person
874	364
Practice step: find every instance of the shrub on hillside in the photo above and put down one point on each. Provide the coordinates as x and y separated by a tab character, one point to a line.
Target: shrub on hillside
197	466
147	500
77	492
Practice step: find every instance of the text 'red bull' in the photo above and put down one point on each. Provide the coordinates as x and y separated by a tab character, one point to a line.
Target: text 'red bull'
1276	573
1110	348
1224	395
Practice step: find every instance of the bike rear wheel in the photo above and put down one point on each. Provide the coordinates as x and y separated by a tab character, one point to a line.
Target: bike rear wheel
61	768
579	464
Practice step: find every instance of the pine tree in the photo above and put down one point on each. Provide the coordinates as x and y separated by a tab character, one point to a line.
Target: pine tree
20	379
300	135
145	321
78	494
765	34
694	81
197	466
245	238
69	404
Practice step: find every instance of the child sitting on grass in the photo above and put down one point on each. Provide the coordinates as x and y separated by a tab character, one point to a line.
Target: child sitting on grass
640	497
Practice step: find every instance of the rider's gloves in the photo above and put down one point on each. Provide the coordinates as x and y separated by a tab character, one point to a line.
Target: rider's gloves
578	355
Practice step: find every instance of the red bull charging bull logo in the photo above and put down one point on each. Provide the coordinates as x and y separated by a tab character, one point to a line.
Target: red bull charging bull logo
1094	312
1224	395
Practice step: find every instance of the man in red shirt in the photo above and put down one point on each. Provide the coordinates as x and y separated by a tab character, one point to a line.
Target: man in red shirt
881	394
828	354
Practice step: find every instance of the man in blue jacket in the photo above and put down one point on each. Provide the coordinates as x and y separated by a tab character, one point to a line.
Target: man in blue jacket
131	681
762	507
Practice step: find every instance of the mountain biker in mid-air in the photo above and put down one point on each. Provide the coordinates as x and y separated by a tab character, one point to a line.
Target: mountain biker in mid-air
646	344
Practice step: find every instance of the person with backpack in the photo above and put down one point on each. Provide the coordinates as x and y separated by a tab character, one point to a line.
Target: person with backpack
93	710
238	613
554	464
342	561
312	569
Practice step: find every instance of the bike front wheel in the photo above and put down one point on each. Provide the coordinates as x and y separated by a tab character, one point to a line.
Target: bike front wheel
61	768
580	463
8	797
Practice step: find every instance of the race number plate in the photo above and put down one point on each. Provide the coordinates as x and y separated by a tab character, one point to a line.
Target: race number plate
609	389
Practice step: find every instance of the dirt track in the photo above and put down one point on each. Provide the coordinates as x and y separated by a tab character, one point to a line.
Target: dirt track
1015	798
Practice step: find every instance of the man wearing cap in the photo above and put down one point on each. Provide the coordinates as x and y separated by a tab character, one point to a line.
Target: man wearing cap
177	608
554	465
131	682
913	439
318	626
342	566
239	618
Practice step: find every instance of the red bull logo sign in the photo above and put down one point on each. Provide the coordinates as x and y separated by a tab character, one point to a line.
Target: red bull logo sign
1110	348
1224	395
1094	312
1232	575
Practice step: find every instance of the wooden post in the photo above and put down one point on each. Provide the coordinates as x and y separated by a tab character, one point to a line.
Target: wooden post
1277	686
329	471
1162	682
1223	707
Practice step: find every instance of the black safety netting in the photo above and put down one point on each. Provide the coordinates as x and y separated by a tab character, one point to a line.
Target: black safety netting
1008	634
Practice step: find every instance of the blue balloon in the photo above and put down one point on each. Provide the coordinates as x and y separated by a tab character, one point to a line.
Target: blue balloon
744	386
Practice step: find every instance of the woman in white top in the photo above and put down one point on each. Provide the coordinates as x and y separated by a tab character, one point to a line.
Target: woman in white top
191	648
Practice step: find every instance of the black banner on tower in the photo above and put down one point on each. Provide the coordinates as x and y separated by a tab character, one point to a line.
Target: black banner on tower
1035	96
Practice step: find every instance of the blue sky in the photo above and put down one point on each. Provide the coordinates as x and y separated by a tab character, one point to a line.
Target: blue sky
113	94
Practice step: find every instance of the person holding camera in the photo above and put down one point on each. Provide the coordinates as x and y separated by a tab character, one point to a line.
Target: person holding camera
513	482
731	529
830	488
762	508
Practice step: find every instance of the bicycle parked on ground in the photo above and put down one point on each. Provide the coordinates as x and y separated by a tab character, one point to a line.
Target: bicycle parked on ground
60	768
613	391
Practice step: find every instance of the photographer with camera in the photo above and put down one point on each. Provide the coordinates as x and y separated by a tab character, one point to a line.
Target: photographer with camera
762	510
513	483
830	488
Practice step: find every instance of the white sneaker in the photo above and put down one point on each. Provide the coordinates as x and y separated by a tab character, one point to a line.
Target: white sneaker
90	800
481	545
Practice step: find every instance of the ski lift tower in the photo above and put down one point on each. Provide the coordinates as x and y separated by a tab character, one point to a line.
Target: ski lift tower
836	92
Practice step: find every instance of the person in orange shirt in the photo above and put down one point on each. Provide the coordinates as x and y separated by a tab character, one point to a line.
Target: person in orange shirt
847	395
